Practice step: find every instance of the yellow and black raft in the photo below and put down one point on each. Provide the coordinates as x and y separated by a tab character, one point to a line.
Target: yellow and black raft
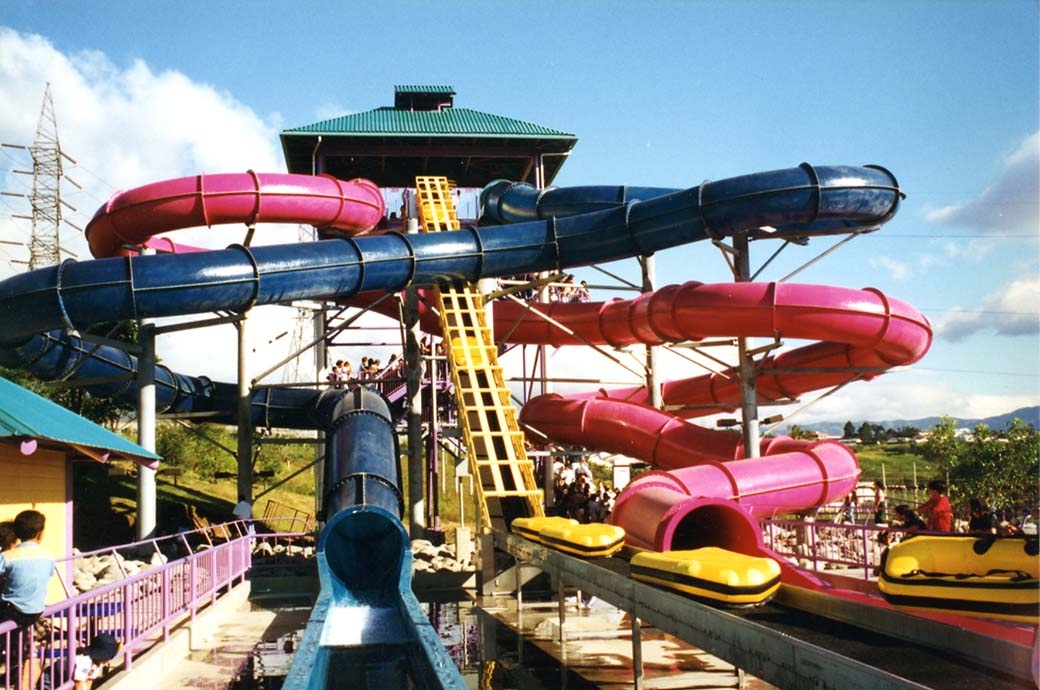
986	576
592	540
712	573
531	527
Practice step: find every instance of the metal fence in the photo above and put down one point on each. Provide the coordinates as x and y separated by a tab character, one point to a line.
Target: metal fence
137	608
816	545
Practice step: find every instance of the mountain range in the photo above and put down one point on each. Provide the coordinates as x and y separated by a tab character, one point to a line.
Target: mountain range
1029	415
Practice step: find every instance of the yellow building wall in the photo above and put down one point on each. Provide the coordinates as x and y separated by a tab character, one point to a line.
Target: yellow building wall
38	482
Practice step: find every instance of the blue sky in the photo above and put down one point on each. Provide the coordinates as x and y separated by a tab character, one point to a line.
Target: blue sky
943	94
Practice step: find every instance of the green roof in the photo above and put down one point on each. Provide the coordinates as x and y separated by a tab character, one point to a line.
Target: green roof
424	88
423	133
26	415
449	121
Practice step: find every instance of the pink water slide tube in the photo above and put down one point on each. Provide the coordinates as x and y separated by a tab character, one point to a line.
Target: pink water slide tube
135	216
706	492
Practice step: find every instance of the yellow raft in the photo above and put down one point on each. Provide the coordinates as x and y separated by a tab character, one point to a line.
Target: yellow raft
712	573
986	576
592	540
531	527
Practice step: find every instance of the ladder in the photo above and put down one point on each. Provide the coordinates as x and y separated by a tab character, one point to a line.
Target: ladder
506	486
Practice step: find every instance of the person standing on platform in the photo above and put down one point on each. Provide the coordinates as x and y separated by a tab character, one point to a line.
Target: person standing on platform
243	510
937	510
880	509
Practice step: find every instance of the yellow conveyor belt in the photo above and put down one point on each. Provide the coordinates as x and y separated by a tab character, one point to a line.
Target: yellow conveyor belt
506	484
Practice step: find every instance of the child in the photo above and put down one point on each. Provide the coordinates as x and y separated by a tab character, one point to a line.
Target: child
910	521
91	661
25	572
87	666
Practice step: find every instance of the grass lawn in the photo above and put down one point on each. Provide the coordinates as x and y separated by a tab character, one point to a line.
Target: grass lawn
106	502
895	462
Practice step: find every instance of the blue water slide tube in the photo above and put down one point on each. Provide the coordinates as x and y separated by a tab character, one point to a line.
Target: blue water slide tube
366	629
41	307
503	201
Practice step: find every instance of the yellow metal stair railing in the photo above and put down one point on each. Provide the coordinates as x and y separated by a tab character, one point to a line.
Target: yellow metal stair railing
506	484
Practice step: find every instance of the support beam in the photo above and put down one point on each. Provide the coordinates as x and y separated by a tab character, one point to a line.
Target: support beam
245	421
146	500
413	372
649	268
746	366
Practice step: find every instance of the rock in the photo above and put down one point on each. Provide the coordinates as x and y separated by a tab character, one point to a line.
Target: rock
83	581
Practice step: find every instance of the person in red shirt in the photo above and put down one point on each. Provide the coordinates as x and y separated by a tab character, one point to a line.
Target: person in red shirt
937	509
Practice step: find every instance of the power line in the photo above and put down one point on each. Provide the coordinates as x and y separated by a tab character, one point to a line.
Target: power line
1033	374
981	312
997	236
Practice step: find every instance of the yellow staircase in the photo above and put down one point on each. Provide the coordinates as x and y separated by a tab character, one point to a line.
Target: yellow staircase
505	475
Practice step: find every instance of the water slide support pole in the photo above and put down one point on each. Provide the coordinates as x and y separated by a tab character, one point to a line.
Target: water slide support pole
146	415
637	653
433	459
748	392
416	528
648	265
245	423
543	295
320	361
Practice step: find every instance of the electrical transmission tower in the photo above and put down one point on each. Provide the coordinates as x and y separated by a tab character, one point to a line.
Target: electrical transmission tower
44	243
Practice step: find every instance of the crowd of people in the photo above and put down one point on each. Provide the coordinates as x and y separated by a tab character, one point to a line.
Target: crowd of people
577	494
566	290
935	514
342	371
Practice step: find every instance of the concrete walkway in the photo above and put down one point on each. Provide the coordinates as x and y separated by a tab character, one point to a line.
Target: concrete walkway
211	652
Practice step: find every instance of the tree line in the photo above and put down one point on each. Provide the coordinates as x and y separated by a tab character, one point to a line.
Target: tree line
866	432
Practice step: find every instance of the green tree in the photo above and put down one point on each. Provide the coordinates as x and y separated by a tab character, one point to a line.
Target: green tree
866	432
941	448
907	432
849	431
1001	468
795	431
104	411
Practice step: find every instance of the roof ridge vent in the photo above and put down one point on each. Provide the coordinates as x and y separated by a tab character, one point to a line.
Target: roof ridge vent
414	97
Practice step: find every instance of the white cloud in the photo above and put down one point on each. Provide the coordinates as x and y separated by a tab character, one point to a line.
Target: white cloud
127	125
124	125
899	270
327	110
1015	311
909	394
1010	204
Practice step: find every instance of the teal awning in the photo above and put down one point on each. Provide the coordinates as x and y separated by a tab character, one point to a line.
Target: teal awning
28	417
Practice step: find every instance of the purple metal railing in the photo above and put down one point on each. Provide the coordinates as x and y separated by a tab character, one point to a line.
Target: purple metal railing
819	545
139	610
